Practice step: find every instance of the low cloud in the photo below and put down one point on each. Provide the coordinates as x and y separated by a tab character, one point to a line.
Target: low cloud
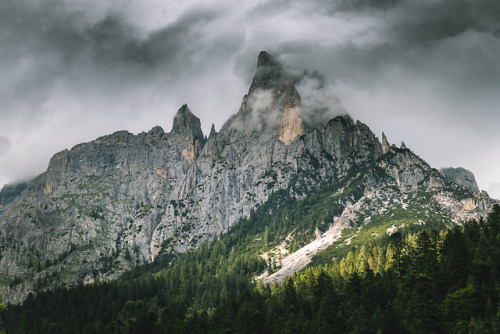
261	112
4	145
320	102
261	108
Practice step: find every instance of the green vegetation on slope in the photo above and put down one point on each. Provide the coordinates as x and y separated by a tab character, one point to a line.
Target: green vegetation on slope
428	283
418	214
368	286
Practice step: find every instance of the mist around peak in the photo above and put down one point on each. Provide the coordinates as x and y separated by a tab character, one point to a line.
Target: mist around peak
261	109
320	103
284	99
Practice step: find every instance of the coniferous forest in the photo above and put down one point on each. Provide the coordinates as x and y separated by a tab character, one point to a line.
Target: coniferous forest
425	281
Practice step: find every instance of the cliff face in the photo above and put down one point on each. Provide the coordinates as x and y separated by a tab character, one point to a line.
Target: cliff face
9	192
107	205
461	176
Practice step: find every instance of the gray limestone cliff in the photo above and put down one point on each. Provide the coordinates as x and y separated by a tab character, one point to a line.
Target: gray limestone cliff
385	144
105	206
461	176
9	192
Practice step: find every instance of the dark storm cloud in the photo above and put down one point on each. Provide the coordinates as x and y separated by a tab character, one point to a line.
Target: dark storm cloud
430	22
69	61
355	5
112	40
54	40
40	41
447	39
415	22
323	7
45	42
434	40
446	44
171	44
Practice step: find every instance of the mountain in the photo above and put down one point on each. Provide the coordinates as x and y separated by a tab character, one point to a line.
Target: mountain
461	176
9	192
103	207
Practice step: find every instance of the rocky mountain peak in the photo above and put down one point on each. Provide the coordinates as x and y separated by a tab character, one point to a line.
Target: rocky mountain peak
266	60
269	73
272	106
385	144
155	134
187	132
212	130
186	123
461	176
10	191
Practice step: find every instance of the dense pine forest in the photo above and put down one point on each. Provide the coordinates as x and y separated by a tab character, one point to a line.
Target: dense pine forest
412	281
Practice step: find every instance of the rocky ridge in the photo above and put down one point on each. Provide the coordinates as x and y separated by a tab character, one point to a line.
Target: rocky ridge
396	191
461	176
10	191
107	205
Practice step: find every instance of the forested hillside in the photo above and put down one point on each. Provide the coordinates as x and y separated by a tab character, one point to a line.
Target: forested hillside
418	282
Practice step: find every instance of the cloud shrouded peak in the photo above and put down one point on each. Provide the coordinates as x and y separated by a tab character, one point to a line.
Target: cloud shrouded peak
285	102
269	73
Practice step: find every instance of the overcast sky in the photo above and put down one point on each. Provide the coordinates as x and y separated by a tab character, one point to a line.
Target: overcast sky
423	71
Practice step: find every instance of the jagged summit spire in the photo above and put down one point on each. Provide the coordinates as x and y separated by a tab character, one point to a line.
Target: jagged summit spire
186	123
187	133
461	176
385	144
183	114
183	110
272	105
269	73
267	60
212	130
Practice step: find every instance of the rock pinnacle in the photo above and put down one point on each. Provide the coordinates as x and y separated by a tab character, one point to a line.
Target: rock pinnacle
385	144
269	73
186	123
